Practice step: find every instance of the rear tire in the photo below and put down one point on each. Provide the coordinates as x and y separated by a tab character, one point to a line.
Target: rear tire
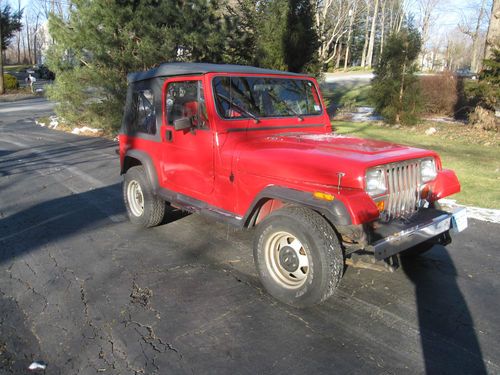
143	206
298	256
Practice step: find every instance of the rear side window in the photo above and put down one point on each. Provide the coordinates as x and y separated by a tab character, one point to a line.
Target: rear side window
145	117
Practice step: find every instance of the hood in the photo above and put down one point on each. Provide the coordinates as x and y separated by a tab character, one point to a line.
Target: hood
318	158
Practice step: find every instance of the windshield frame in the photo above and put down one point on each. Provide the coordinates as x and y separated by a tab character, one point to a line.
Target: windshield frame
283	77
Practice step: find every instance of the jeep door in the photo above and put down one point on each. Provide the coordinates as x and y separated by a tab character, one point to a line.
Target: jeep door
187	154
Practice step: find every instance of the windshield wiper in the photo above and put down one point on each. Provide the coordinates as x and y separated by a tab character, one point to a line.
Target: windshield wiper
238	107
288	107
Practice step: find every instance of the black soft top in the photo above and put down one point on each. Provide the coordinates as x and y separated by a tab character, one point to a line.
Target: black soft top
182	68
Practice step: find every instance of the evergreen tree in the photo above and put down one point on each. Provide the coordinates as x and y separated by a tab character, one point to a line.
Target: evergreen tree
485	91
272	32
395	88
103	40
300	42
275	34
10	22
241	30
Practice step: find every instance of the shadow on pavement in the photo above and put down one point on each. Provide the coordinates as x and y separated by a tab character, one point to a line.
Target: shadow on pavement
449	341
55	219
79	152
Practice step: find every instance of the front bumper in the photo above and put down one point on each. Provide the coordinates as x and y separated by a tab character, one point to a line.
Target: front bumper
393	238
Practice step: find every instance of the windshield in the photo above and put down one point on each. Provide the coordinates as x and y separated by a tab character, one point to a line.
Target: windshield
256	97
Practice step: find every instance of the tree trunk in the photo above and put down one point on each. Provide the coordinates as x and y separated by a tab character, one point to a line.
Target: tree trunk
349	38
24	51
369	57
19	36
365	45
382	25
34	49
339	55
401	91
493	35
28	42
18	40
475	64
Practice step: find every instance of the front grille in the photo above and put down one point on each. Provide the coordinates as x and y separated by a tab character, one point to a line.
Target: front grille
403	182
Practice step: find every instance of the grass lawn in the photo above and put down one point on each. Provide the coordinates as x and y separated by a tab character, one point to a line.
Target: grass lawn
347	95
15	68
473	154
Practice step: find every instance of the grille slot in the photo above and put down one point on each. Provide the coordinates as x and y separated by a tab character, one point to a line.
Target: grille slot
403	180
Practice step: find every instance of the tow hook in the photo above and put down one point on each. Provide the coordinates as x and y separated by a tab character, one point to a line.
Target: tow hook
368	261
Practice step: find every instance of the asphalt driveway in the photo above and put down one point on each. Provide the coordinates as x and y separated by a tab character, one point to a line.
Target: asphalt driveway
87	292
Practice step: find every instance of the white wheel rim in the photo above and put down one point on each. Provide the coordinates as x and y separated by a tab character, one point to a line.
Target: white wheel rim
135	198
286	259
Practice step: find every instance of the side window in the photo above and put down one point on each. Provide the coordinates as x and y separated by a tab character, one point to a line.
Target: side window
186	99
145	120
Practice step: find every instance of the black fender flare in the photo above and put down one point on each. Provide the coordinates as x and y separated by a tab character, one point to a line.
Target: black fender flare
335	211
148	165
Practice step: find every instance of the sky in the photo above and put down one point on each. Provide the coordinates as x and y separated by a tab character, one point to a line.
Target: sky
448	13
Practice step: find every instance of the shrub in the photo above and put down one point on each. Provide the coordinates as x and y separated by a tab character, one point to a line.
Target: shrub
484	119
485	92
395	89
439	93
10	82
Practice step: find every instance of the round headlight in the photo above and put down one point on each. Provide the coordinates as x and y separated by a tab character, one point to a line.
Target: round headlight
375	182
428	170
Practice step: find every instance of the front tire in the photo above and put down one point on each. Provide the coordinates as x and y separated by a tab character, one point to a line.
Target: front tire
143	206
298	256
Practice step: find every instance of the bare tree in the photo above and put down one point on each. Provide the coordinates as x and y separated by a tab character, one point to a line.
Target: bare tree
369	55
355	10
473	31
382	27
458	50
331	19
427	17
493	35
367	30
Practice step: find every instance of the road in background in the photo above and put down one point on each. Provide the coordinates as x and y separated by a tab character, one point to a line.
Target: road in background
85	291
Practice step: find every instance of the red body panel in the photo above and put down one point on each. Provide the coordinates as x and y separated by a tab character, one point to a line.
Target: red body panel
228	165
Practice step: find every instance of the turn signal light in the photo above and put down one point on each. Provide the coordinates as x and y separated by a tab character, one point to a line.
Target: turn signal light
323	196
425	192
381	206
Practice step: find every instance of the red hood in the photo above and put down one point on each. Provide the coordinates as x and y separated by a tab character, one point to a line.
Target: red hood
317	158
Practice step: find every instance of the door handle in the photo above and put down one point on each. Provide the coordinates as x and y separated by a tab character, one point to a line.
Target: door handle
168	135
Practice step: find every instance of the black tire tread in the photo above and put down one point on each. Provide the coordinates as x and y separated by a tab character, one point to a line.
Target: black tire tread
323	232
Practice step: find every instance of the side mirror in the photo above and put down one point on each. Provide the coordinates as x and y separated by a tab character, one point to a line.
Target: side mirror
182	123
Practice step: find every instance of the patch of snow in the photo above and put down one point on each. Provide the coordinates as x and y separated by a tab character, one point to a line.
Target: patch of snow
431	131
363	114
336	77
54	122
85	129
37	365
484	214
447	120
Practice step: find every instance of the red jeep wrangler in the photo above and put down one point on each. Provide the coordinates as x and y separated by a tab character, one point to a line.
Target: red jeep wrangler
254	148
